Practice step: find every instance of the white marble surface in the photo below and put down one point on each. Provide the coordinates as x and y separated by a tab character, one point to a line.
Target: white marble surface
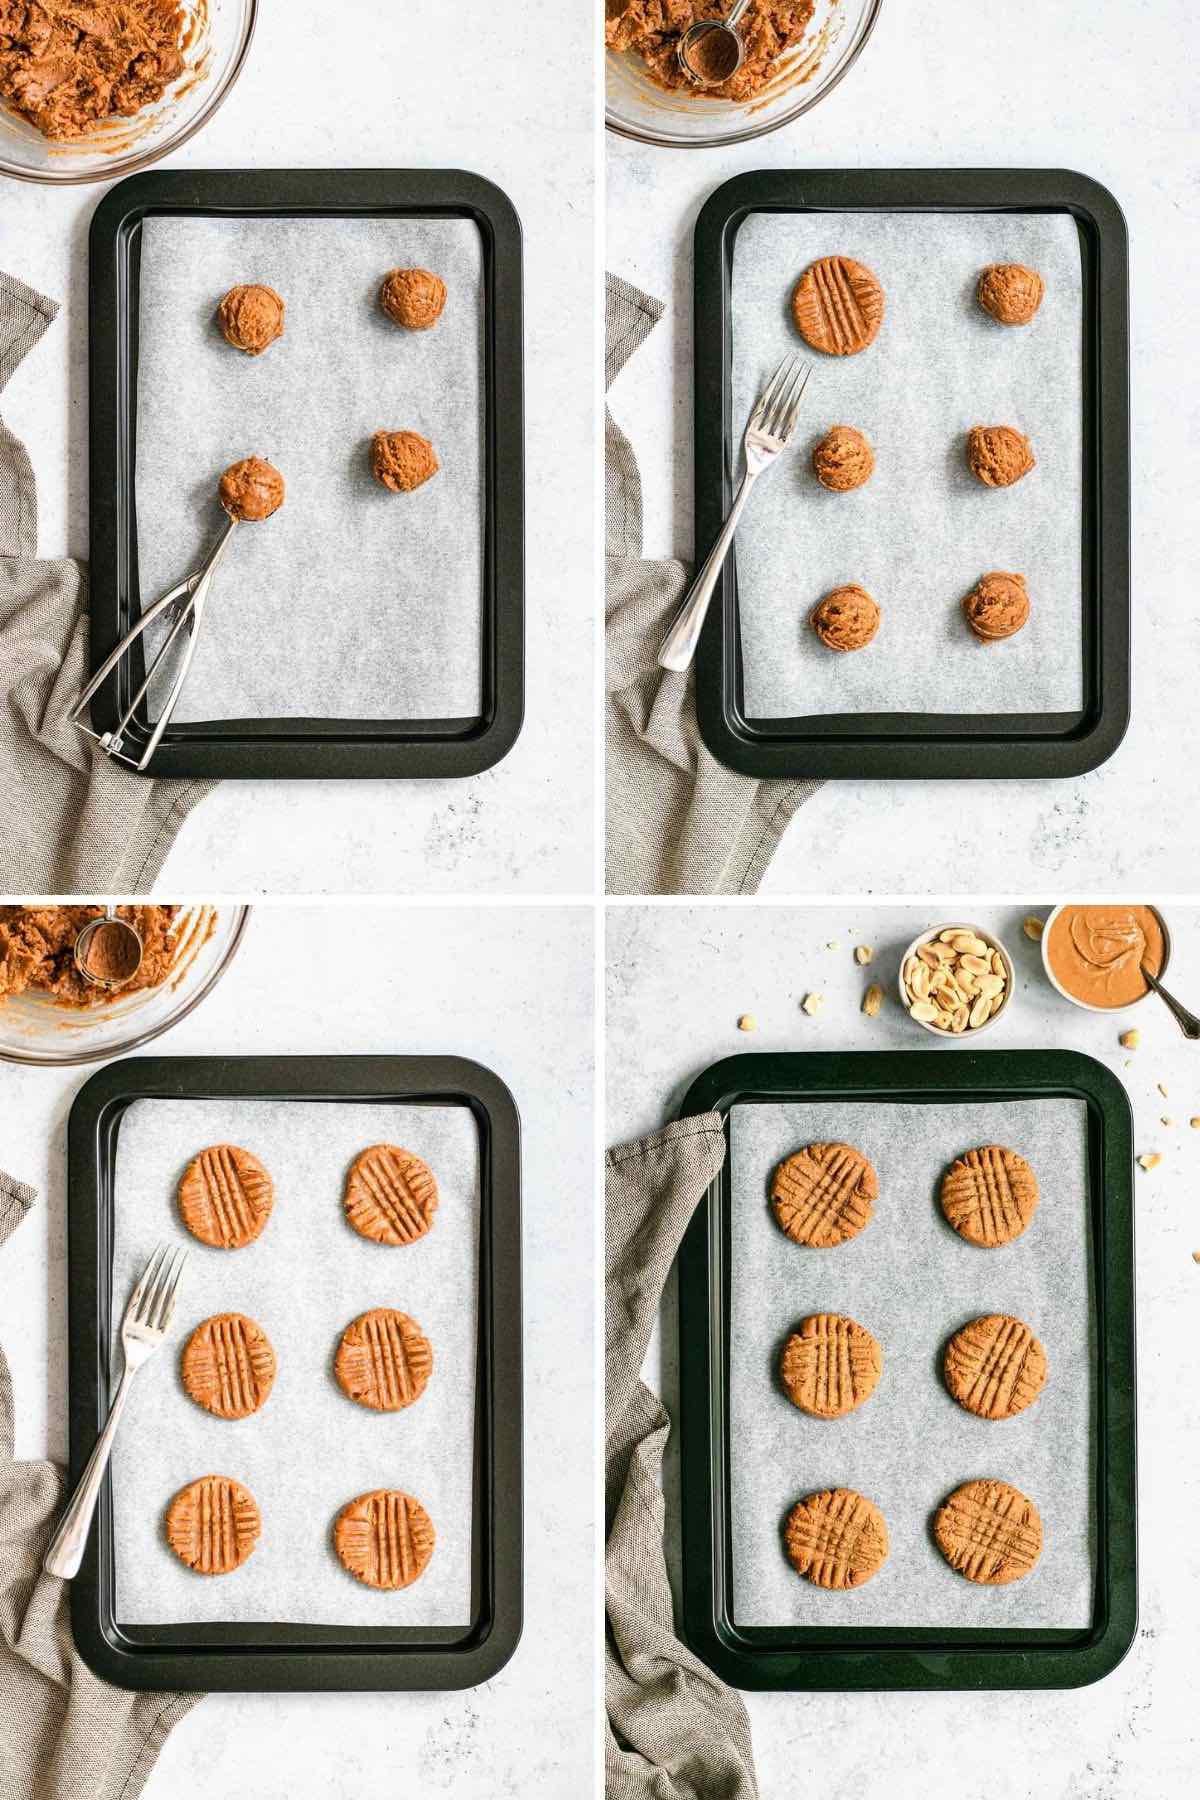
513	987
1107	90
420	85
677	980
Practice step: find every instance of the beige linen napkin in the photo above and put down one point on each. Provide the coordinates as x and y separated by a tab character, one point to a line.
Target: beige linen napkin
675	1731
678	821
71	821
64	1733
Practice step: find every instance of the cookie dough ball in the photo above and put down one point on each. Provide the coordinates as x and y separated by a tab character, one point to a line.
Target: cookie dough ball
997	606
251	317
846	619
998	455
402	460
251	489
838	305
413	298
1010	293
843	459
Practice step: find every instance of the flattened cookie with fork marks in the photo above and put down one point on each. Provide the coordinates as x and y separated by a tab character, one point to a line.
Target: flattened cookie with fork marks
995	1367
838	305
824	1194
385	1538
830	1365
225	1197
990	1532
391	1195
838	1539
213	1524
228	1365
384	1360
989	1196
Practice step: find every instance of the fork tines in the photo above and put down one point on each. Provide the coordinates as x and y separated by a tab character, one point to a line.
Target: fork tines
779	404
153	1299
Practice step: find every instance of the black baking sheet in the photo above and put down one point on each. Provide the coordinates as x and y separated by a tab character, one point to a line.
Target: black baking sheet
333	746
869	744
251	1654
803	1655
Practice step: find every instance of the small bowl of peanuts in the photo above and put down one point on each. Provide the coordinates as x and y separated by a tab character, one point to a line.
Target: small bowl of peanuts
956	980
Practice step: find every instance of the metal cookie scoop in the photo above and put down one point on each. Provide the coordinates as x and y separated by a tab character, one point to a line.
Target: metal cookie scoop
182	609
711	51
108	951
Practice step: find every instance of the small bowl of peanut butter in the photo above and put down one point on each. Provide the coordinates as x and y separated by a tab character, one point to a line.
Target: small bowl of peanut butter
1093	955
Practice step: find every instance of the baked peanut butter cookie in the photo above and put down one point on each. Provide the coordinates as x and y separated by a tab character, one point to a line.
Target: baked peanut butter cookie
843	460
391	1195
385	1538
995	1367
213	1524
998	455
1010	293
830	1365
228	1365
225	1197
989	1196
838	1539
990	1532
997	606
846	619
838	306
824	1194
384	1360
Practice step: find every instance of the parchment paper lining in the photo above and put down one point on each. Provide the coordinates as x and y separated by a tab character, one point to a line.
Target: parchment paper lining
309	1449
922	530
912	1281
350	602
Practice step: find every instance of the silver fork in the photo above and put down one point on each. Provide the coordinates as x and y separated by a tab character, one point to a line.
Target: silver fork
770	429
142	1331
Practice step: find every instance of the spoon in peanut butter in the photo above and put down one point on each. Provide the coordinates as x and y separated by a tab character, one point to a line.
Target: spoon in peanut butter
108	951
1188	1023
711	51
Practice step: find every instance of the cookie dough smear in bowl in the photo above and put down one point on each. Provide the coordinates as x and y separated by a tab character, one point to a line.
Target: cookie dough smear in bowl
769	29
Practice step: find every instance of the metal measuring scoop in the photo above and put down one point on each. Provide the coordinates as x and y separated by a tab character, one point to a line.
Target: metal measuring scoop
1187	1022
711	51
123	950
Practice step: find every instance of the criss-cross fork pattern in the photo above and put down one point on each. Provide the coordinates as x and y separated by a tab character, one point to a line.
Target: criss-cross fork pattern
995	1366
990	1195
824	1194
831	1365
989	1532
837	1538
391	1195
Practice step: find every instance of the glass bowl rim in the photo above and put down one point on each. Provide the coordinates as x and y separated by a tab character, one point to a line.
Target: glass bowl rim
746	133
119	166
38	1059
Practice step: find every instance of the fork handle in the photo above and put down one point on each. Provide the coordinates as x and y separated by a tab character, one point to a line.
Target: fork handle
679	645
67	1545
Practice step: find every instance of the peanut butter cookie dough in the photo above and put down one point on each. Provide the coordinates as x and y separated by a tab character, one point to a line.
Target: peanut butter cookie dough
1010	293
37	946
846	619
413	298
843	460
998	455
402	460
251	317
251	489
653	28
838	306
997	606
65	67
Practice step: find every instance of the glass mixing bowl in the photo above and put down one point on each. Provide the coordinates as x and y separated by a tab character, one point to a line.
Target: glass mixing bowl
635	107
33	1029
217	40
